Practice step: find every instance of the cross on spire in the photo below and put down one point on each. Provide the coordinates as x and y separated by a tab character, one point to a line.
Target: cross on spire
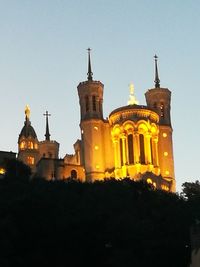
47	134
157	80
90	73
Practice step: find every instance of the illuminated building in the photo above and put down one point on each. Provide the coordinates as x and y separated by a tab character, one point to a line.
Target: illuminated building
134	141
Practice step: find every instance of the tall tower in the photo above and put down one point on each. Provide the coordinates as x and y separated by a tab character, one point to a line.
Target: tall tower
28	150
92	124
159	99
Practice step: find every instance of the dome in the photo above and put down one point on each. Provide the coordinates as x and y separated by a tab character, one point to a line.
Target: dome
28	130
134	113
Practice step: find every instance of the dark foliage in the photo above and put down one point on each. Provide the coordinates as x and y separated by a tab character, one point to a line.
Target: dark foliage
17	171
110	223
191	192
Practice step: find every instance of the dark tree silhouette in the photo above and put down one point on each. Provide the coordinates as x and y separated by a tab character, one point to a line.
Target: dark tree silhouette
17	170
105	223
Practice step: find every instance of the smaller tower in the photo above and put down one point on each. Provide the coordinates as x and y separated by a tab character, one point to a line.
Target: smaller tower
159	99
48	148
28	150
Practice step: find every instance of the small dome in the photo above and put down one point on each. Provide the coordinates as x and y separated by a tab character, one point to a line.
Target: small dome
28	130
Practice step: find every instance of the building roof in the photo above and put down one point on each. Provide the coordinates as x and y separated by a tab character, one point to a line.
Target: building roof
133	112
28	130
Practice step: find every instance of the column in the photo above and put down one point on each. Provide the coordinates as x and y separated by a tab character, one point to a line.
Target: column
155	151
136	147
124	158
148	148
116	153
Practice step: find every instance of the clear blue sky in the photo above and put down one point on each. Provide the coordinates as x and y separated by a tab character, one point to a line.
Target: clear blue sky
43	58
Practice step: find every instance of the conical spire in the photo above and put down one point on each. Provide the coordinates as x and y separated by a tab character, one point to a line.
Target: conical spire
47	134
157	80
90	73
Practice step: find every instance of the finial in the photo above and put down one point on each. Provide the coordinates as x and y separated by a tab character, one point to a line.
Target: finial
89	74
132	100
157	80
27	112
47	134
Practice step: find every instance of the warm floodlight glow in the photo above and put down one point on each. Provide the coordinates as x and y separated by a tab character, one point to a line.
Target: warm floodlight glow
167	172
30	160
23	145
164	187
149	181
164	135
96	147
96	128
30	145
2	170
165	153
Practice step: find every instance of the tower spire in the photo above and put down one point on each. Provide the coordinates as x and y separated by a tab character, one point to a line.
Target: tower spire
157	80
47	134
90	73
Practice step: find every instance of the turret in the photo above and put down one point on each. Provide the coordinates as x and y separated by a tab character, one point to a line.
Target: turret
90	96
48	148
28	150
159	99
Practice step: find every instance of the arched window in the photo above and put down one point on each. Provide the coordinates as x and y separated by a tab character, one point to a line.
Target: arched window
30	145
23	145
142	153
74	174
86	103
130	149
94	103
30	160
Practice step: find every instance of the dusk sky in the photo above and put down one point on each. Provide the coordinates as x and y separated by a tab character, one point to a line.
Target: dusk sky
43	58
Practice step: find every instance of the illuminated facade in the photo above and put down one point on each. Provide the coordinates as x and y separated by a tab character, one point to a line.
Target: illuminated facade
134	141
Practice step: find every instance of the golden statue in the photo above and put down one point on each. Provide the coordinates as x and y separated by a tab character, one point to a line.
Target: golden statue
132	100
27	111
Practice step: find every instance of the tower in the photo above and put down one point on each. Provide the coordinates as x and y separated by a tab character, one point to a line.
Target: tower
159	99
48	148
28	149
90	94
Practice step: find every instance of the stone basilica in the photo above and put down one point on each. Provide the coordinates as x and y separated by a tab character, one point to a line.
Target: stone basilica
135	140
